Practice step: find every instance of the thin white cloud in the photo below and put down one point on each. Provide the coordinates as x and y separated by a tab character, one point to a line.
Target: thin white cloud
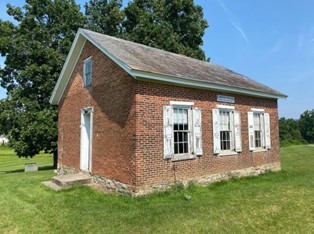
237	27
232	20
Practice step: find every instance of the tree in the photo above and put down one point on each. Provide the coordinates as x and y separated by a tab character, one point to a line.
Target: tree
35	49
307	125
105	16
289	132
173	25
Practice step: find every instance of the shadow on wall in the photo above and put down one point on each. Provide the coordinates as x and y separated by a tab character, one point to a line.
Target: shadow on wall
115	97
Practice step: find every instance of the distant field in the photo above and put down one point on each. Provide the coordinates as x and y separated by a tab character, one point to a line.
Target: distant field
280	202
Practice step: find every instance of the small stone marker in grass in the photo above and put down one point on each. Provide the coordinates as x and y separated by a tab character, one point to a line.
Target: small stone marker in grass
31	167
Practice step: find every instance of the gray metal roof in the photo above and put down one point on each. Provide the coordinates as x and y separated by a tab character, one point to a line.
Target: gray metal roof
147	59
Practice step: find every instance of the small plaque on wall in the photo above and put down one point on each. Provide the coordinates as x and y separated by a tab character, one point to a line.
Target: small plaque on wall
223	98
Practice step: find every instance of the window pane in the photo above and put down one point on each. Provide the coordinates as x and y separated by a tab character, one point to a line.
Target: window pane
186	145
180	136
186	127
175	126
175	148
180	126
176	137
181	148
185	137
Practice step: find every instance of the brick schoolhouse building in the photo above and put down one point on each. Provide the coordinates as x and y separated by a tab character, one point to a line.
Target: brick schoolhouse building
139	119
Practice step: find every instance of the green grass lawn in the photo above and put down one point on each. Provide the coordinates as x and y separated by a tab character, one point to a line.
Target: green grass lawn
280	202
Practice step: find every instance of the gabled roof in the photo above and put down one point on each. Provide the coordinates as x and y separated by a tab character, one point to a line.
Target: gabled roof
147	63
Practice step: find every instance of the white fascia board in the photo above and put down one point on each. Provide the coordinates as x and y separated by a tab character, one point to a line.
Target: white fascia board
67	69
142	75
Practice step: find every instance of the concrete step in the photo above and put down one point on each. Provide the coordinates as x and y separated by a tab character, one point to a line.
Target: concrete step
52	185
71	179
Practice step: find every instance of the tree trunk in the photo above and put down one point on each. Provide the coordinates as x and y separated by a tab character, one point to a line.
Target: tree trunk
55	159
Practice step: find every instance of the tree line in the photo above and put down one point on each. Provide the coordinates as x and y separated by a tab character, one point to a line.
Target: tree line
297	131
37	40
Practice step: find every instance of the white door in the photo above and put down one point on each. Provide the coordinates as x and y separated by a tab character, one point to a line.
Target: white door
86	139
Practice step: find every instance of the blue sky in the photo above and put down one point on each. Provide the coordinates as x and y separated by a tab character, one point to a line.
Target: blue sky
269	41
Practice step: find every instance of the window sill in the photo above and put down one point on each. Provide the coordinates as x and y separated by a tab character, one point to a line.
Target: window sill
180	157
227	153
259	150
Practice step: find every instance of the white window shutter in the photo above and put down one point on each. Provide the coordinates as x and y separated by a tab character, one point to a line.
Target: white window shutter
237	131
267	131
251	130
168	131
216	131
232	141
197	131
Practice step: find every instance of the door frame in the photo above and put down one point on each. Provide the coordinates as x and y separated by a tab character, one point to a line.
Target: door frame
84	112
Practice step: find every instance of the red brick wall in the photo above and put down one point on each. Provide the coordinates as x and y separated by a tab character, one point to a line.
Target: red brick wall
112	96
152	168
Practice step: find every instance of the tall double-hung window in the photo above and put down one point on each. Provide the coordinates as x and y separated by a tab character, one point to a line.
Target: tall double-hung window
182	131
259	130
226	130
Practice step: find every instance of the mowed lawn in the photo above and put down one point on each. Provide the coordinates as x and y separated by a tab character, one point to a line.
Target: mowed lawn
280	202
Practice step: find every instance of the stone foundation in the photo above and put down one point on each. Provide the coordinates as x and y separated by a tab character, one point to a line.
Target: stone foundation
212	178
63	170
113	186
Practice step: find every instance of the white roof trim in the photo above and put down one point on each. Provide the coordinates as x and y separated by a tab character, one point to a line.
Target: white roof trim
78	45
67	69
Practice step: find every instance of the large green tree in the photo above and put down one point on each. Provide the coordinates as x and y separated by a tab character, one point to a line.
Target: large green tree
173	25
307	125
35	47
105	16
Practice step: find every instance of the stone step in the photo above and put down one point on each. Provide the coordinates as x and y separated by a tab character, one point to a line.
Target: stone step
71	179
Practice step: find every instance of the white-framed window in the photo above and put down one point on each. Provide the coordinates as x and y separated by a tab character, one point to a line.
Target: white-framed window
182	131
87	71
259	130
226	130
